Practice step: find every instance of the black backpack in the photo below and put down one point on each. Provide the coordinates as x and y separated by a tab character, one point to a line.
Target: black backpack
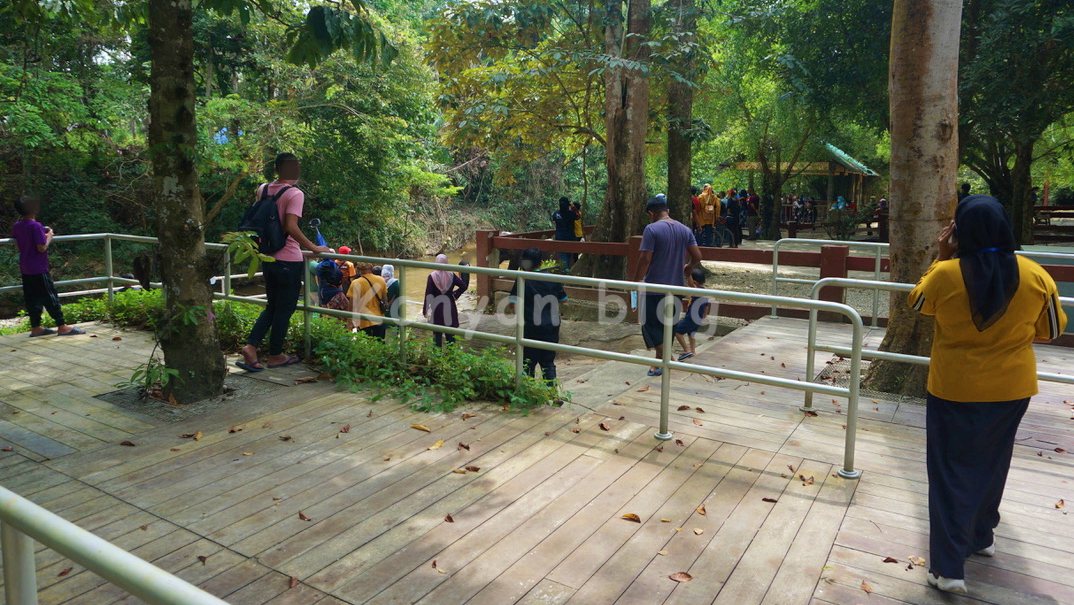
263	218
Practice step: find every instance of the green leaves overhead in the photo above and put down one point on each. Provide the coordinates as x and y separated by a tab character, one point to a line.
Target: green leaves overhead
327	29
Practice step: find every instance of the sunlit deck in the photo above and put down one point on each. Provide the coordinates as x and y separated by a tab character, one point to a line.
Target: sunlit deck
275	504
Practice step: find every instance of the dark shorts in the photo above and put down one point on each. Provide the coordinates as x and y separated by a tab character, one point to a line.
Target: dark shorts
652	318
687	326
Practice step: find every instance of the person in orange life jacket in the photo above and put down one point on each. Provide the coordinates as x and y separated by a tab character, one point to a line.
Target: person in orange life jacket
283	277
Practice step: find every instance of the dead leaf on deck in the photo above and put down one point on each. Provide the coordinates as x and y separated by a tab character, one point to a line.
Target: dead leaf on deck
576	430
806	480
865	586
701	510
890	560
370	414
810	413
64	572
643	388
1060	450
772	500
459	471
631	517
604	426
143	527
346	428
698	422
439	444
247	453
294	582
679	443
683	408
306	379
916	560
286	438
127	443
791	469
698	531
203	559
782	365
468	415
195	436
681	576
304	516
449	519
1061	504
7	448
699	409
473	469
421	427
235	429
466	446
662	553
438	570
117	338
665	520
175	449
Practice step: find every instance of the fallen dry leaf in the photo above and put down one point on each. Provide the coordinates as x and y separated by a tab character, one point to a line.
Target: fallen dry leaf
247	453
304	516
143	527
631	517
370	414
438	570
465	446
698	422
604	426
306	379
890	560
662	553
235	429
421	427
698	531
459	471
468	415
681	576
64	572
810	413
916	560
473	469
294	582
683	408
806	480
782	365
1060	450
679	443
701	510
699	409
346	428
203	559
769	500
127	443
791	468
7	448
866	587
175	449
1061	504
449	519
439	444
643	388
665	520
576	430
117	338
286	438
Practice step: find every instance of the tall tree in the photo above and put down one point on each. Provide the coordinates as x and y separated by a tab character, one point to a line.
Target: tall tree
680	111
188	332
923	76
626	122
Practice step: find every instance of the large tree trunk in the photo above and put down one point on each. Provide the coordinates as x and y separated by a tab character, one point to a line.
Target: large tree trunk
1021	194
626	120
923	75
188	334
681	114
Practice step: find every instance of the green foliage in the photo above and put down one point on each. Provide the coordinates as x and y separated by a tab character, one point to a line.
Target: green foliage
243	248
150	377
430	378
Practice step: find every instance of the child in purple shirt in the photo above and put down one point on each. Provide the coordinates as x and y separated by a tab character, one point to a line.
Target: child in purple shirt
33	239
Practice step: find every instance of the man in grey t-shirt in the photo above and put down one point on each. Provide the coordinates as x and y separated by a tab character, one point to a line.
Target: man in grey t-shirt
668	252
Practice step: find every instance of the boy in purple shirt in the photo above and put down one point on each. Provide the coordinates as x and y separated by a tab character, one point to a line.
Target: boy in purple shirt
33	239
668	251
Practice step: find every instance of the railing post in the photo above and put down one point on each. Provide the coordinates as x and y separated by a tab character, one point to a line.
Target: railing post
668	312
20	573
520	327
848	471
811	359
875	321
227	277
487	256
833	263
775	273
108	266
401	302
306	308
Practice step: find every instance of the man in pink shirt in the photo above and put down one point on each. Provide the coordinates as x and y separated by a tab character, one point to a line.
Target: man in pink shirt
283	278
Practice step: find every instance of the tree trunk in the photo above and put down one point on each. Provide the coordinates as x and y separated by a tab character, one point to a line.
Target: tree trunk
191	347
626	121
1021	196
681	115
923	76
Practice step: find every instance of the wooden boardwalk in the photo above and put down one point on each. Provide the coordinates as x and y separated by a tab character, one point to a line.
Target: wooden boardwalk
276	503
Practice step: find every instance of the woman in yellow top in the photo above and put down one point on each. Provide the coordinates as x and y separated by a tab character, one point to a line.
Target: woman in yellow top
707	212
368	294
990	306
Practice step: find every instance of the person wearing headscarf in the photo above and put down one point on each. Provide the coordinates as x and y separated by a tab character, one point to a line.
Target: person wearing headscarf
564	221
393	299
989	306
442	290
707	213
368	294
330	291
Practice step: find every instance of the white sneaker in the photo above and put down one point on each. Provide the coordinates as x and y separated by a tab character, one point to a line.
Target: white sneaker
946	584
989	551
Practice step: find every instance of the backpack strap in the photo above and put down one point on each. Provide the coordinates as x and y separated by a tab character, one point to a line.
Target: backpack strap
373	289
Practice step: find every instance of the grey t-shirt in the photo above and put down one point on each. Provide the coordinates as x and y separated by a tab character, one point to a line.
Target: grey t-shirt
669	241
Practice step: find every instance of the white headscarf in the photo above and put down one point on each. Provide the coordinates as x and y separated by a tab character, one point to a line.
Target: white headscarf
442	279
388	273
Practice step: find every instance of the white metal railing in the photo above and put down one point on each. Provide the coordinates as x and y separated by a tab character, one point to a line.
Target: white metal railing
666	363
22	522
812	347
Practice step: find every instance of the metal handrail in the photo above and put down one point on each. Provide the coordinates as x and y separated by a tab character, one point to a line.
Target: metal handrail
22	522
812	347
878	249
